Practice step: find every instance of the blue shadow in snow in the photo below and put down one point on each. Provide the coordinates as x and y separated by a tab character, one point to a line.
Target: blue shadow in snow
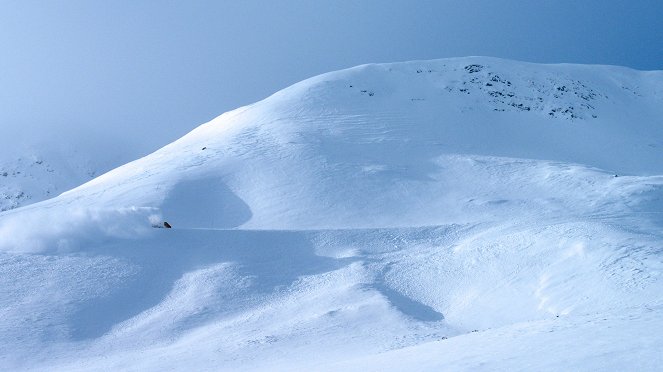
271	258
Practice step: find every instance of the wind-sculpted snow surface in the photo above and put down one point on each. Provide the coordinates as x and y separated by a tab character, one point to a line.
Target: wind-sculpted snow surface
468	213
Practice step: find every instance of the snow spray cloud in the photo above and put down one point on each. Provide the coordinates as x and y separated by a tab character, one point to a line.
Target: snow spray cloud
44	231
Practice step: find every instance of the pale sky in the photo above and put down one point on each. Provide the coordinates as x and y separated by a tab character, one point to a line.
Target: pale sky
145	73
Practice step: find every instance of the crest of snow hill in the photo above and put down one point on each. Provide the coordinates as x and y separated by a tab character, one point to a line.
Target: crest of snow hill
394	208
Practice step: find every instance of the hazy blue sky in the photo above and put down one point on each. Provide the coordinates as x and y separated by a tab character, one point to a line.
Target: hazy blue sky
149	71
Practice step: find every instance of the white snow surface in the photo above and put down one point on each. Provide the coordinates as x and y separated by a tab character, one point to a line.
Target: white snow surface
456	214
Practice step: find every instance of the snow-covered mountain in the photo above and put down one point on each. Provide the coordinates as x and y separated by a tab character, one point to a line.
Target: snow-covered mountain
33	172
452	214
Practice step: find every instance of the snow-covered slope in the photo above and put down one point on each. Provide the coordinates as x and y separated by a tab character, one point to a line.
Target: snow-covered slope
381	216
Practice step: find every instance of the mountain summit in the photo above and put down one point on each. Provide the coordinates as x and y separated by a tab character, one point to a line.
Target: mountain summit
458	213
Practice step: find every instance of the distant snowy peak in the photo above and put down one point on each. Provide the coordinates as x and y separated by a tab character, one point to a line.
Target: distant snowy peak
41	175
